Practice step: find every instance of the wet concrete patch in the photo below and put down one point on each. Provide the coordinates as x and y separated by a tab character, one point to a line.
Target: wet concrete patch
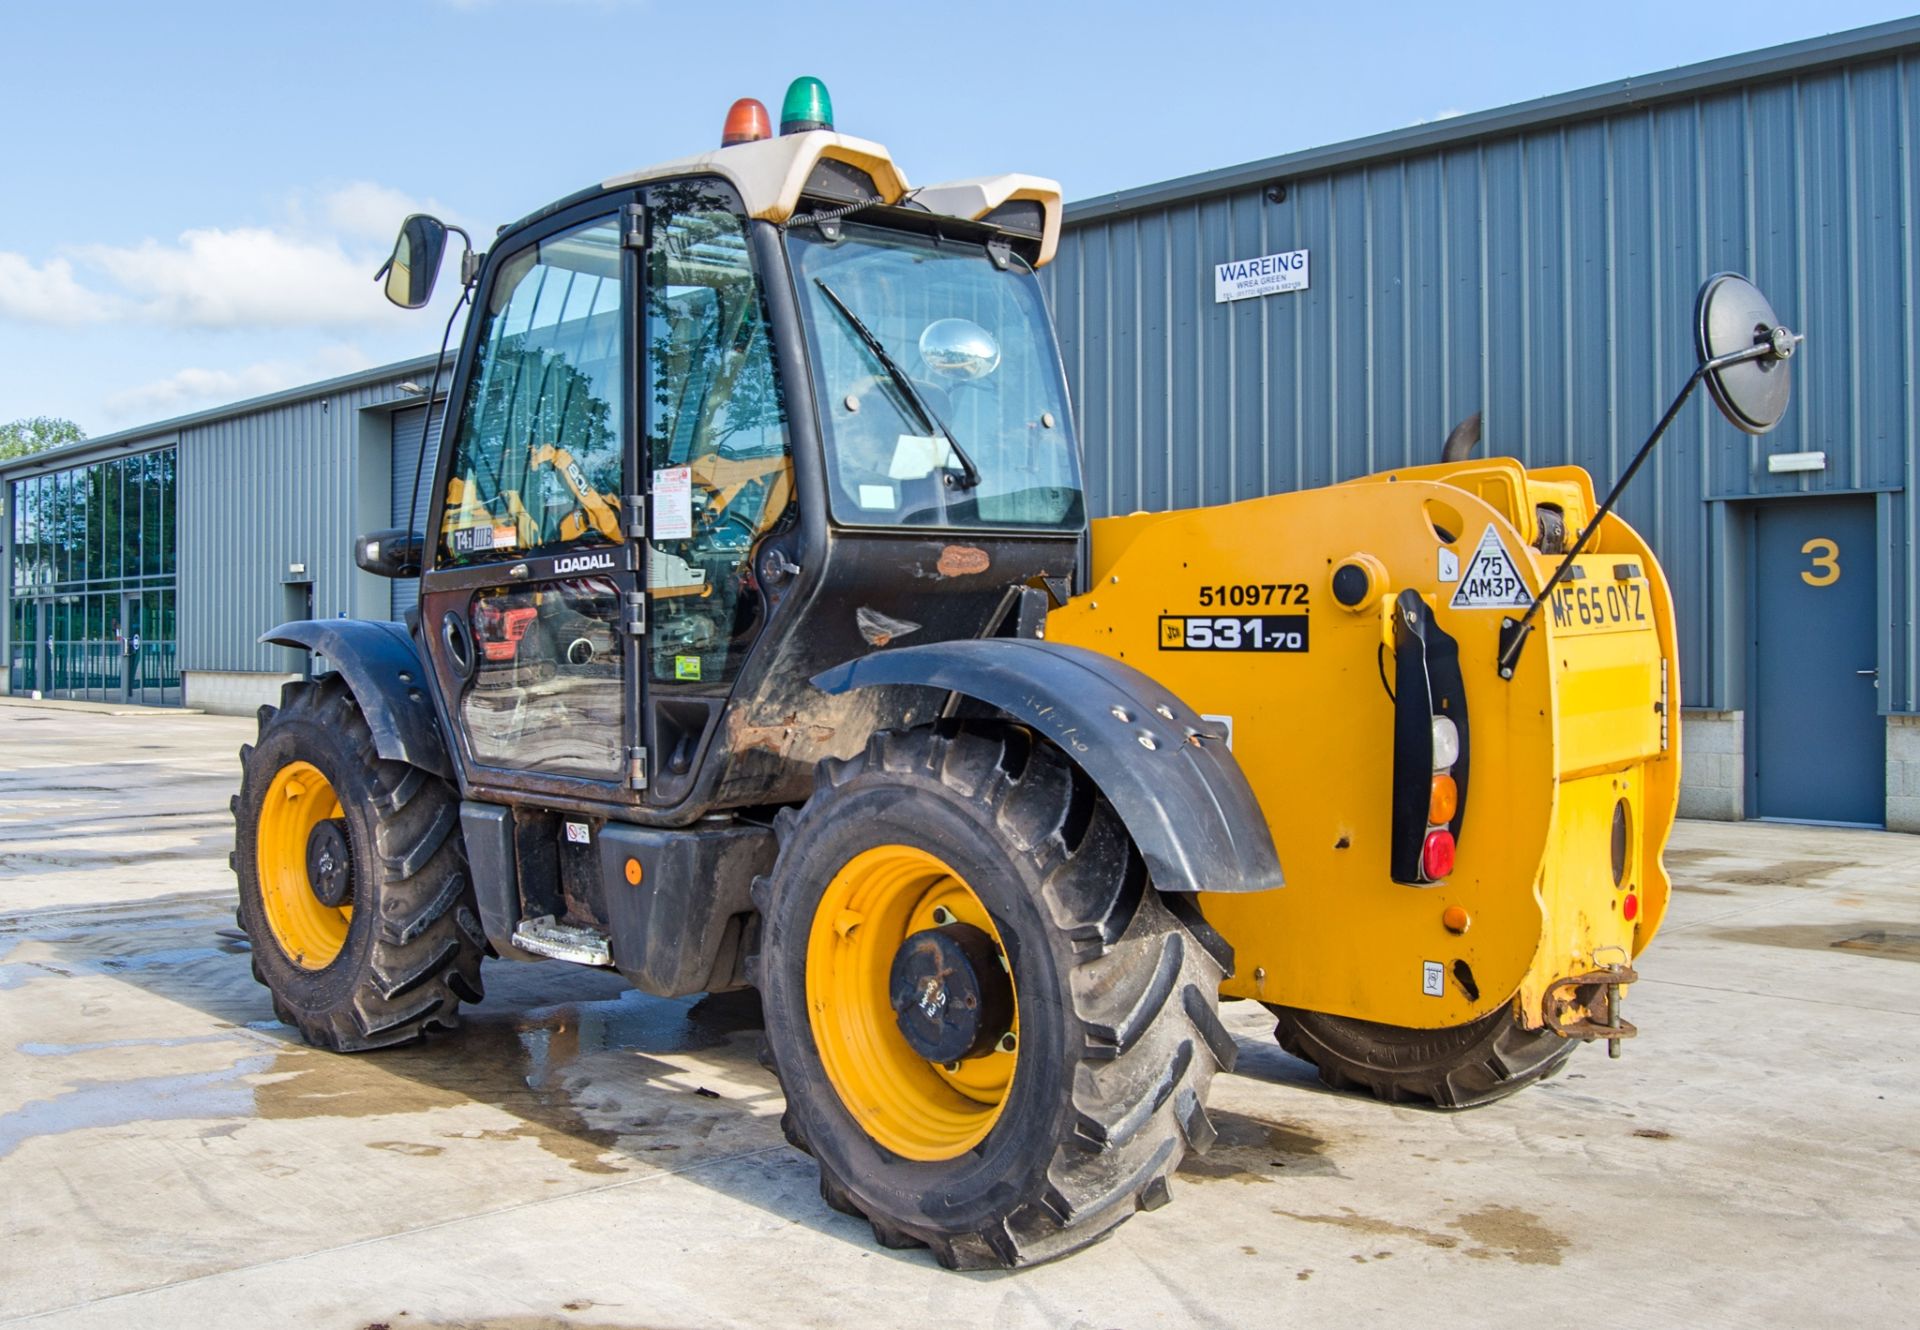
45	1050
1786	873
1509	1232
92	1104
1493	1232
568	1071
1888	941
1250	1149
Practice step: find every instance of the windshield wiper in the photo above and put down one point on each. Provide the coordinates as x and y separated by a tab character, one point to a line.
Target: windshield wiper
928	420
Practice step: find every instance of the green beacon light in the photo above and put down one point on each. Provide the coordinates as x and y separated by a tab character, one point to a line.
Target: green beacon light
807	106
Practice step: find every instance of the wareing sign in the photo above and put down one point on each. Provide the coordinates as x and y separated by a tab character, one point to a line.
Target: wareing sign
1267	275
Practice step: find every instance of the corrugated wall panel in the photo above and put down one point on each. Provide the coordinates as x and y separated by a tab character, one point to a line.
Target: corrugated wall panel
259	492
1544	276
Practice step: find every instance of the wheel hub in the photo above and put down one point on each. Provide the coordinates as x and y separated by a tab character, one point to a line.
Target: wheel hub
330	863
950	991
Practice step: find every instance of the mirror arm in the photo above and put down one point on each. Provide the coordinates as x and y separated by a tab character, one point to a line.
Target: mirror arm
1778	345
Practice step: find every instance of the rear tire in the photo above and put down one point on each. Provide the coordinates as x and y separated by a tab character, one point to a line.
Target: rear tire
404	952
1118	1029
1460	1066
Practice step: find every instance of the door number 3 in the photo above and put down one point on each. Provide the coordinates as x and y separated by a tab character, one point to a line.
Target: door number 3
1826	560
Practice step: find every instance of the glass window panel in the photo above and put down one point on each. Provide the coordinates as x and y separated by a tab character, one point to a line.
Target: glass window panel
537	454
169	497
717	426
975	343
61	563
546	692
150	559
113	524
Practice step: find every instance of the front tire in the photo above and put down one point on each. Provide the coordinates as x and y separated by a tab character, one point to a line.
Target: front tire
353	881
1460	1066
997	1158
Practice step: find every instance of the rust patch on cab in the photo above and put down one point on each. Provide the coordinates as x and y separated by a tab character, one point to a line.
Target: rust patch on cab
962	560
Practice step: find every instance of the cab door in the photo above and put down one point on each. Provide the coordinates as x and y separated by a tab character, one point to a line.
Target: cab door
530	597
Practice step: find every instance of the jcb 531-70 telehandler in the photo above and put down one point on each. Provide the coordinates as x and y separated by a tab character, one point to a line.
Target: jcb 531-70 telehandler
761	642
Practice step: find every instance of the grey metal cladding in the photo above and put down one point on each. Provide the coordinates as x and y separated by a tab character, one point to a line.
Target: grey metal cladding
260	491
1544	275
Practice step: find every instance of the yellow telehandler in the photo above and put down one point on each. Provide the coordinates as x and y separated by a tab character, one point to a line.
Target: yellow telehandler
763	640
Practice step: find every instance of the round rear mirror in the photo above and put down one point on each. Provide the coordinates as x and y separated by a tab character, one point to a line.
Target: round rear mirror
959	349
1732	316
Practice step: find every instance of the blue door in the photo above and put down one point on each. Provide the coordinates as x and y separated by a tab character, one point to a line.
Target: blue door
1816	741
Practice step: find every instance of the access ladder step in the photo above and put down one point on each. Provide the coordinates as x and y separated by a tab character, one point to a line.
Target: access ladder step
547	936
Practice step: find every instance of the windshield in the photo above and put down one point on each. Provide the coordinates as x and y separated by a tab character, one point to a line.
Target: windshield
978	433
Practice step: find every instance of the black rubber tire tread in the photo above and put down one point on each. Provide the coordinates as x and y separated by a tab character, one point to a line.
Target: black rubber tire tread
1460	1066
1107	1101
414	946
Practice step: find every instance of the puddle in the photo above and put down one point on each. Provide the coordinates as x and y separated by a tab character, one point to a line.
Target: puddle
38	1050
1250	1149
1889	941
575	1074
93	1104
581	1065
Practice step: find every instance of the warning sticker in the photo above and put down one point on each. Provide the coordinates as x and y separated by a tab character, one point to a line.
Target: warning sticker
1490	581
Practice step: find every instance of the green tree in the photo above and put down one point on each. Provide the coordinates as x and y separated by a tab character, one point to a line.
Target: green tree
36	434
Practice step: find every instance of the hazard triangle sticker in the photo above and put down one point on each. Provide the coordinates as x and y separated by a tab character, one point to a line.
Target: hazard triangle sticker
1490	581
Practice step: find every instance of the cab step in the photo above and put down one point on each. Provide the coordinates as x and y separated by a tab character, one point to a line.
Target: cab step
547	936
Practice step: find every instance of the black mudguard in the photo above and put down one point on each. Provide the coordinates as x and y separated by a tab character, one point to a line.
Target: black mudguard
1167	772
389	681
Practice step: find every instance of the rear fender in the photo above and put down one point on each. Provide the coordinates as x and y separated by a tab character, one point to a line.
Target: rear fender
1166	770
383	668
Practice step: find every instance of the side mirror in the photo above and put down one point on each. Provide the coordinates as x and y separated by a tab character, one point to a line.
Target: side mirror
1734	323
410	271
395	552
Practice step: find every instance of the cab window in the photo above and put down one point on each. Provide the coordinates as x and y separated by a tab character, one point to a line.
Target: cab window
716	433
536	462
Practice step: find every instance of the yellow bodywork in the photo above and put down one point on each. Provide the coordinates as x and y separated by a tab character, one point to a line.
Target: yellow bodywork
1585	723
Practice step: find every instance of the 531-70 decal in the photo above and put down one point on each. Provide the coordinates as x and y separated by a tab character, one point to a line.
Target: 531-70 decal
1241	632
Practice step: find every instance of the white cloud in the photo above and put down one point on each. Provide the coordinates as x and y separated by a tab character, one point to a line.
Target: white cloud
244	278
366	210
46	293
315	270
191	389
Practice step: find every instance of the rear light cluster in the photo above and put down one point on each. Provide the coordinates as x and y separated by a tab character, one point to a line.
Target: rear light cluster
1443	801
1429	746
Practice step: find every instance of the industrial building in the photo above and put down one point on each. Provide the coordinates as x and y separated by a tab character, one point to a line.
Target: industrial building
141	566
1286	323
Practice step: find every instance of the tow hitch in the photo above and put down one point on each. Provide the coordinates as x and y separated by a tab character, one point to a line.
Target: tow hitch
1598	1017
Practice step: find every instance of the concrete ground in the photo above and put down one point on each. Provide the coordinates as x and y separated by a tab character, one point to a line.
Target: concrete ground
583	1156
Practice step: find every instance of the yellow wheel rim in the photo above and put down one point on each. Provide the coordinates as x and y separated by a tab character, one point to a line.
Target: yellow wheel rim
299	800
915	1108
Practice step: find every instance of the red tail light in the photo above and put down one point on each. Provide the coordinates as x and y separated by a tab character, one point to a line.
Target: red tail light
1436	856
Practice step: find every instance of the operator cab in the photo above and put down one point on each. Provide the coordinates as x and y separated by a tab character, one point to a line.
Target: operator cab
693	401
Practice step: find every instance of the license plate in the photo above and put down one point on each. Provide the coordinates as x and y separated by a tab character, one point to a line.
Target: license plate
1233	632
1602	607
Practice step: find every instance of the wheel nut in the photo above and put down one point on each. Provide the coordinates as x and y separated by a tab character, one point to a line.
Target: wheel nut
1007	1042
950	1066
942	915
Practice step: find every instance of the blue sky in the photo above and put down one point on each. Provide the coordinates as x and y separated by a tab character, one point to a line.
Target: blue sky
196	195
